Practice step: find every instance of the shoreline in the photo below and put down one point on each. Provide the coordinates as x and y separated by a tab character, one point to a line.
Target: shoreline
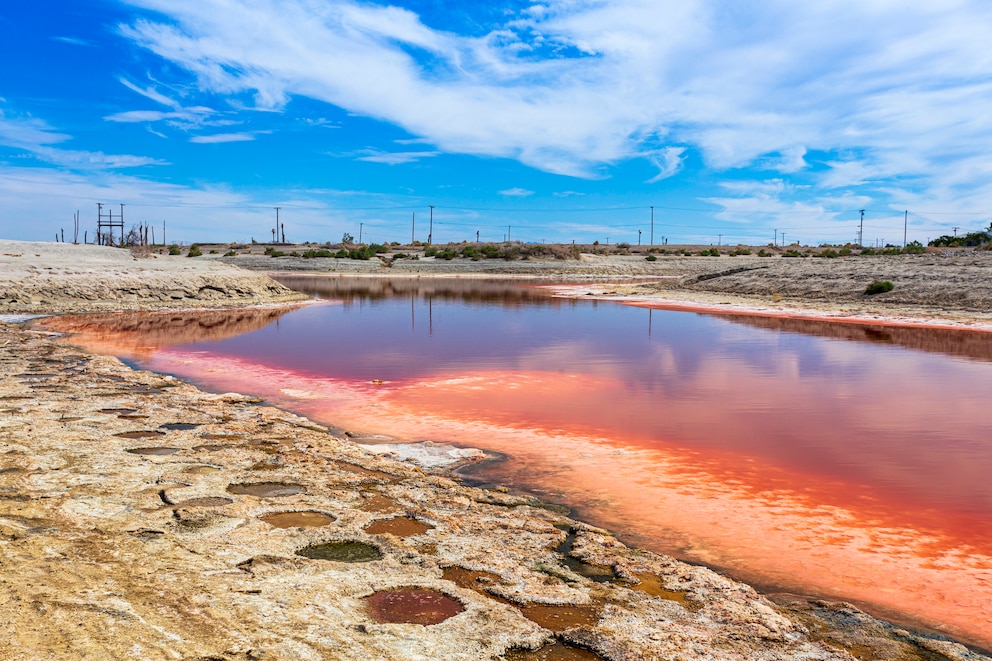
727	606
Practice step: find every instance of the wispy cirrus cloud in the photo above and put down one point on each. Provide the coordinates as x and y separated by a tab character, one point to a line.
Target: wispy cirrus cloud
37	138
395	158
516	192
244	136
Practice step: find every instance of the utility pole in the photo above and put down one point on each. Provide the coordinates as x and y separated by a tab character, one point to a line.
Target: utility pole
282	226
775	242
905	223
99	222
413	228
360	226
122	224
430	232
652	227
476	236
507	232
783	239
275	232
955	230
719	239
638	237
861	229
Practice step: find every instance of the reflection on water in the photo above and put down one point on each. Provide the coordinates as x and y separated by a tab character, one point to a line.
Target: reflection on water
798	460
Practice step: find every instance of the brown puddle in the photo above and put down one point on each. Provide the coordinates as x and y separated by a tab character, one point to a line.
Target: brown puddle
550	616
413	606
133	417
473	579
378	503
557	651
560	618
178	426
140	434
401	526
341	552
203	470
297	519
207	501
155	451
266	489
122	411
651	584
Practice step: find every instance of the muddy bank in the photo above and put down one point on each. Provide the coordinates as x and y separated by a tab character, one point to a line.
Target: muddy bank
47	278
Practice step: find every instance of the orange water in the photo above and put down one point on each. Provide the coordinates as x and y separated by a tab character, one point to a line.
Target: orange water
846	463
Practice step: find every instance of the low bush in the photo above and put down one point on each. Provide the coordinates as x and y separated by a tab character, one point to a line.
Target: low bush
651	258
174	250
194	251
879	287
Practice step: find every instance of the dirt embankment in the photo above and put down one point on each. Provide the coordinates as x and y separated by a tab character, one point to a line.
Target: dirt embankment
44	278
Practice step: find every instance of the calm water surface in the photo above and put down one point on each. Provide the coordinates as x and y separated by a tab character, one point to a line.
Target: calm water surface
846	461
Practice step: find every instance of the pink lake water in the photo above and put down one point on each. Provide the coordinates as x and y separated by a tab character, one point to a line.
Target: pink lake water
849	462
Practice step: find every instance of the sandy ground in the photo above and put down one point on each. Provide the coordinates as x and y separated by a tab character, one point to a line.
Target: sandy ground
131	523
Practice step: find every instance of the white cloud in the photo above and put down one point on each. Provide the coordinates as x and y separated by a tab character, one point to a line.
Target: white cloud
667	160
516	192
223	137
395	158
37	137
73	41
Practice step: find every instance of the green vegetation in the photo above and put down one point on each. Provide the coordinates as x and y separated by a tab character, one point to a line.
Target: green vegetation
174	250
313	254
194	251
879	287
231	253
651	258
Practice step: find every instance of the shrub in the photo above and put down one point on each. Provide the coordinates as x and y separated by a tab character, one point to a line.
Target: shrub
231	253
311	254
764	253
430	251
447	254
914	248
791	253
174	250
194	251
651	258
879	287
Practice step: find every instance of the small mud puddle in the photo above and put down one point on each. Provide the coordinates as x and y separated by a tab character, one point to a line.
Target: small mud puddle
378	503
473	579
178	426
266	489
207	501
297	519
203	470
560	618
413	606
651	584
401	526
140	434
556	652
160	451
121	411
133	417
341	552
222	437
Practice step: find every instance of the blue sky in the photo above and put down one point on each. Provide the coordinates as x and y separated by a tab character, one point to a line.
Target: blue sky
567	119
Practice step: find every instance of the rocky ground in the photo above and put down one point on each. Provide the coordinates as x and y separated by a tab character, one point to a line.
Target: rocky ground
136	521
